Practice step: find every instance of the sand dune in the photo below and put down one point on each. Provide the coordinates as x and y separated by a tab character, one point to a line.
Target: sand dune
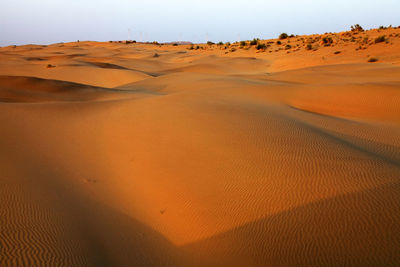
112	156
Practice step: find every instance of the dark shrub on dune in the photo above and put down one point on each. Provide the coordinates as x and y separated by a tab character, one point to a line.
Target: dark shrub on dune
283	36
254	41
261	47
357	28
380	39
327	41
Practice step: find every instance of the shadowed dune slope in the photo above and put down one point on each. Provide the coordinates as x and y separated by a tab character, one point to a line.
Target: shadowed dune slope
112	156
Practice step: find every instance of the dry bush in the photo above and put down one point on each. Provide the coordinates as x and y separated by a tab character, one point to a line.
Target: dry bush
380	39
254	41
261	47
283	36
356	28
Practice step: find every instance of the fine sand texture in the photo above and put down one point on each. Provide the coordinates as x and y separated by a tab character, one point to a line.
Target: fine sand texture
133	154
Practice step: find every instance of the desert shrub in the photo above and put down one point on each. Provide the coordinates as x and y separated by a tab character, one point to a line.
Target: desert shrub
210	43
254	41
380	39
373	59
220	43
242	43
228	44
175	44
337	52
309	47
283	36
327	40
278	42
191	47
261	46
156	55
356	28
288	46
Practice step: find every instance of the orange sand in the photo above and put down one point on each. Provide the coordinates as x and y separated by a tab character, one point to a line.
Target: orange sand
111	156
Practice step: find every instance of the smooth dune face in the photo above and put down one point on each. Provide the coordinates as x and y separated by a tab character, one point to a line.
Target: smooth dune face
136	155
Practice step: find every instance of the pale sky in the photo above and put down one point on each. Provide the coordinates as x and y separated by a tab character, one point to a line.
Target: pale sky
51	21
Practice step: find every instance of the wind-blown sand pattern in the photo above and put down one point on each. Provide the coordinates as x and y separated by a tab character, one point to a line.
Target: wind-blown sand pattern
111	156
